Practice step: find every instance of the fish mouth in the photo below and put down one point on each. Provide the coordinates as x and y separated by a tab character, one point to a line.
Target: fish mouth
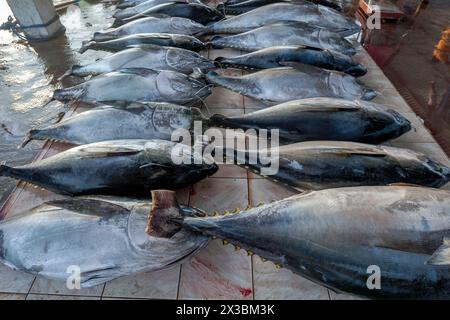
440	170
357	71
368	94
401	121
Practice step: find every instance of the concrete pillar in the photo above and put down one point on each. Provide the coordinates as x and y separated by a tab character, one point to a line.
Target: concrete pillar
30	13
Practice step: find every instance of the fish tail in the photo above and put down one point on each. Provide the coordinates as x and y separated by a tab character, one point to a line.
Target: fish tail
85	46
68	94
221	121
165	216
7	171
215	42
102	36
70	72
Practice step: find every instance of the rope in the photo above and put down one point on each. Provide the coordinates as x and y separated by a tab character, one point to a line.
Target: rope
13	26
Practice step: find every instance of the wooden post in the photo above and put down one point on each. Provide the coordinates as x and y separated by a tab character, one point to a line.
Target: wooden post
38	18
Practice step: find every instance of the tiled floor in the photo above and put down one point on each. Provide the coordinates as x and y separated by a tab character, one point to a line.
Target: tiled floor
218	271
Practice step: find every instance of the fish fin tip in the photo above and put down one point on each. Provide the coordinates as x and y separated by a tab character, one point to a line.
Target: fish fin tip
164	209
441	257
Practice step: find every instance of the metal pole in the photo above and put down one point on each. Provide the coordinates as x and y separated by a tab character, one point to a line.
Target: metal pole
37	18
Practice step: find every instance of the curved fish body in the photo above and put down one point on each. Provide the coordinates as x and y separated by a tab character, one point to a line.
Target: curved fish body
285	34
195	11
135	121
131	3
157	39
150	57
104	237
323	119
309	13
134	10
170	25
319	165
286	84
274	57
248	5
334	236
141	85
118	167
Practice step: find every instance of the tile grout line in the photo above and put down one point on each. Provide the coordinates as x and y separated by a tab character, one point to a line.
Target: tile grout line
103	291
29	289
251	258
181	265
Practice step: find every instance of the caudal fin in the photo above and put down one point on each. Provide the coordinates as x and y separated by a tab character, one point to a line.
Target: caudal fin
8	171
163	217
85	46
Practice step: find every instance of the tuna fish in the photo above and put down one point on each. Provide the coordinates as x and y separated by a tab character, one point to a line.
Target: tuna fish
277	85
104	237
134	10
135	121
171	25
323	119
312	14
301	120
158	39
148	56
248	5
131	3
274	57
335	237
285	34
195	11
119	167
131	85
319	165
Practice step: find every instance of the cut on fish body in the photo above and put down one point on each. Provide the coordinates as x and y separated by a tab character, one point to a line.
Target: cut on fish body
117	167
104	237
333	236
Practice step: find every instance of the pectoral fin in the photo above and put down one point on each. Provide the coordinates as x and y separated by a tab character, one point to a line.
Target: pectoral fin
441	257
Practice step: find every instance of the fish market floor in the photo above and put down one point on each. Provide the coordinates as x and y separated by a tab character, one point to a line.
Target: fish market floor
218	271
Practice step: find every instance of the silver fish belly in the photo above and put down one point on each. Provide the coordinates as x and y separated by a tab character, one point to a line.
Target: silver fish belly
104	237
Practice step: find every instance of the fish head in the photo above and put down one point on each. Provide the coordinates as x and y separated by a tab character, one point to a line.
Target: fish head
399	124
436	171
181	87
368	93
184	24
181	60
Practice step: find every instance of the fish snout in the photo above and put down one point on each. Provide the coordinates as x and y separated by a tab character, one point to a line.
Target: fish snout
368	94
403	124
357	70
440	171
